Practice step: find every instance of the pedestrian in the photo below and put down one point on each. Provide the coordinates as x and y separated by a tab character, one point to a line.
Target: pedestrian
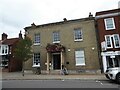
64	70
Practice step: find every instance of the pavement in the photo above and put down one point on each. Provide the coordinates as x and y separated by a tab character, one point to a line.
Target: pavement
31	76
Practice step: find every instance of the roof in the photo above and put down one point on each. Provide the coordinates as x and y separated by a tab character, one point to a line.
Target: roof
108	11
59	23
9	41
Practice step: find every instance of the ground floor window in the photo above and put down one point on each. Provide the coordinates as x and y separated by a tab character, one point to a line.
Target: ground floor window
36	59
113	61
4	61
79	57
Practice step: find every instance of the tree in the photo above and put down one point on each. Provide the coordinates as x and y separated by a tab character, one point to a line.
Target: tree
23	51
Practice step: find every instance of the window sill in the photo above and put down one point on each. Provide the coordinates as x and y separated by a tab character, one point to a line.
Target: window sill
4	54
80	65
117	47
107	29
57	42
35	66
109	47
36	44
79	40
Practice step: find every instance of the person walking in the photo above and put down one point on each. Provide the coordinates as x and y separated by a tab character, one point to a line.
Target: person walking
64	70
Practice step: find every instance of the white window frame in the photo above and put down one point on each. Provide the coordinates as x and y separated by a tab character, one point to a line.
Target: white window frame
107	40
0	49
107	25
79	59
56	37
78	35
116	41
34	64
37	39
4	48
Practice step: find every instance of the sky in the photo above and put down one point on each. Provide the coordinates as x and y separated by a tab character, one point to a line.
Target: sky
15	15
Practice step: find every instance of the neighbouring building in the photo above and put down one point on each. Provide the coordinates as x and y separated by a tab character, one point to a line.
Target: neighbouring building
108	28
71	43
8	62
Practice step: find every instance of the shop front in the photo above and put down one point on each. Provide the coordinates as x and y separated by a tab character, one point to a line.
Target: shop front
110	59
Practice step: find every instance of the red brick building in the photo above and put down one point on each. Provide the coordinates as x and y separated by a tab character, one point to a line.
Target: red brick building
8	61
108	28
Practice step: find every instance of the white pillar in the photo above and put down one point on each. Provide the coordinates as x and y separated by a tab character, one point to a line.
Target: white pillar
48	62
62	59
104	63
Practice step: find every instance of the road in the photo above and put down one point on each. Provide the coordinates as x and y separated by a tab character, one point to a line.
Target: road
58	84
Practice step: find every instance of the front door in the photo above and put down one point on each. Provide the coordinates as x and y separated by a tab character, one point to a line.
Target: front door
56	61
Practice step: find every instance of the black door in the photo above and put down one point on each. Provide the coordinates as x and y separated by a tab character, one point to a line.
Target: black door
56	61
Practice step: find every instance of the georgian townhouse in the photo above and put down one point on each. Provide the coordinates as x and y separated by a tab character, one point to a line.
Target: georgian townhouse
108	28
8	62
70	42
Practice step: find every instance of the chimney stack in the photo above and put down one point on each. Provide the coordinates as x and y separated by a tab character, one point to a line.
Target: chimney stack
4	36
65	19
90	14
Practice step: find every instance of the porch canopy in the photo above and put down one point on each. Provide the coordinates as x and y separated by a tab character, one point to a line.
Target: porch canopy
55	48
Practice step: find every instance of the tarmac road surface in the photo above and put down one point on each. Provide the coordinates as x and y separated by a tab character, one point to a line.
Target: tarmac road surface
59	84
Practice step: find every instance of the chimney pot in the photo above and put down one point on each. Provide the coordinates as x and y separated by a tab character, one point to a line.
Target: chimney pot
33	24
20	35
90	15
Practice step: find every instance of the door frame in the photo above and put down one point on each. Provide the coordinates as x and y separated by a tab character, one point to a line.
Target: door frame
52	63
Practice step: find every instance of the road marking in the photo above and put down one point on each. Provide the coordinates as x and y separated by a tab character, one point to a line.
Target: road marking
107	83
101	83
97	81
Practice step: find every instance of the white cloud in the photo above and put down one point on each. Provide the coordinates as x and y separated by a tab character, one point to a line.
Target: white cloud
17	14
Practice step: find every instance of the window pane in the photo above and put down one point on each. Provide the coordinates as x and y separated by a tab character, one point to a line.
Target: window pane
116	40
37	38
109	23
78	34
36	59
79	57
108	41
6	49
56	36
2	51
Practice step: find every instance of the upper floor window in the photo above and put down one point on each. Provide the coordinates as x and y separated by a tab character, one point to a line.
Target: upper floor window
4	49
36	60
109	23
80	57
112	40
116	40
78	36
37	39
108	40
56	37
